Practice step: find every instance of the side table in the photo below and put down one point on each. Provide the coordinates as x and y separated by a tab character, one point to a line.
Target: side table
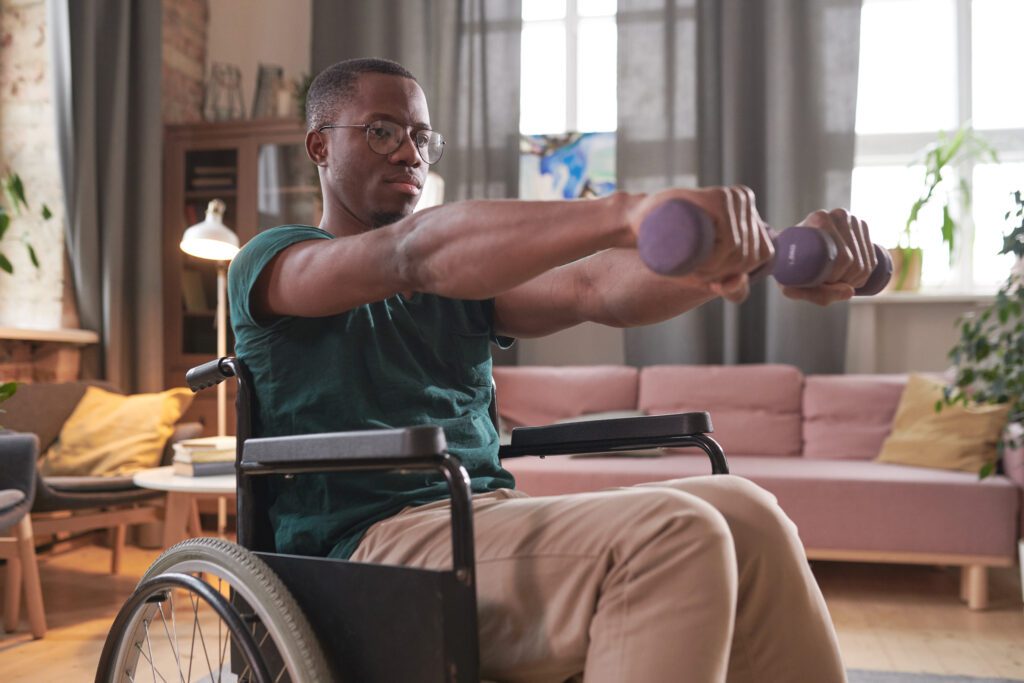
181	517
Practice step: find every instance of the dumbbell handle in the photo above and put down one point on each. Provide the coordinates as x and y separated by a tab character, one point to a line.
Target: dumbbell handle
677	236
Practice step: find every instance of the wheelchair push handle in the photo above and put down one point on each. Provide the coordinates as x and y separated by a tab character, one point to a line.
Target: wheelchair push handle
210	373
677	236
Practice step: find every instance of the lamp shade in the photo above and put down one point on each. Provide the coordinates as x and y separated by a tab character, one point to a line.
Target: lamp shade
211	239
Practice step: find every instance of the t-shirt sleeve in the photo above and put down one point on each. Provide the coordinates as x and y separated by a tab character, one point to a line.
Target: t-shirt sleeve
253	258
500	341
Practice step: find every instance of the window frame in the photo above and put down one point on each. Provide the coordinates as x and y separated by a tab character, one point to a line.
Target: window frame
902	149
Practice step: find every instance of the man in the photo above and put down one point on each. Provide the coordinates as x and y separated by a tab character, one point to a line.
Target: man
383	318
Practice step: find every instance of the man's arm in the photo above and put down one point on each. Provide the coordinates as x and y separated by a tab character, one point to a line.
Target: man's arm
613	288
468	250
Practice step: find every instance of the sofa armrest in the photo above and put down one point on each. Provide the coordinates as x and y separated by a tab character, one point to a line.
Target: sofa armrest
630	433
1013	465
18	453
182	431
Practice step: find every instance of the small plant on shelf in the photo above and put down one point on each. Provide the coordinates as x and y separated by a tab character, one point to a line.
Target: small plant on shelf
938	158
16	205
989	356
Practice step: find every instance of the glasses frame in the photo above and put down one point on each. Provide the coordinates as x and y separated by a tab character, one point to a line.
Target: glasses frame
366	130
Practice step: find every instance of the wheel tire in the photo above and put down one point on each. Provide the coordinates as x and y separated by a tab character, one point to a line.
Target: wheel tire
262	590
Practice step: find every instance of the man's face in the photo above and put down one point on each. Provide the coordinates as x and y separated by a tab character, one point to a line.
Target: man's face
377	189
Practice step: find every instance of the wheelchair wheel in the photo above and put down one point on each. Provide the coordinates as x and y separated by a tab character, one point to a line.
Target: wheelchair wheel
210	610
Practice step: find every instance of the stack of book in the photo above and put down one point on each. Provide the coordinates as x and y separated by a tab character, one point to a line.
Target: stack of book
205	456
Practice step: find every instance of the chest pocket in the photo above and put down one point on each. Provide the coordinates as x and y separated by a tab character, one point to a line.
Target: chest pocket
474	358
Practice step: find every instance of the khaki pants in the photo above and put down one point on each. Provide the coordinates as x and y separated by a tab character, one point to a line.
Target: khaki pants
701	579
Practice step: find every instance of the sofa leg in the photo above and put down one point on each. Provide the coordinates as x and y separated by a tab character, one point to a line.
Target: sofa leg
12	594
974	586
118	548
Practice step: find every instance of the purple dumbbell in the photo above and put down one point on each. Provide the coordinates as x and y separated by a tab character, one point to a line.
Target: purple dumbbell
677	236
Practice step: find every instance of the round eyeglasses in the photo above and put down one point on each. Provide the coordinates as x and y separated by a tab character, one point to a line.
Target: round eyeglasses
385	137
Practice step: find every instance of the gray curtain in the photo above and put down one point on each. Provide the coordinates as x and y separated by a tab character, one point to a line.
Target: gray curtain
107	63
718	92
465	54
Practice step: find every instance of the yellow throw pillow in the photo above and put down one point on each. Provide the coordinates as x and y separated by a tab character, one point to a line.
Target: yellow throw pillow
110	434
956	438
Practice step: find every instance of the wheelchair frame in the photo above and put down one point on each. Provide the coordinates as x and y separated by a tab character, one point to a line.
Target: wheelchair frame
430	614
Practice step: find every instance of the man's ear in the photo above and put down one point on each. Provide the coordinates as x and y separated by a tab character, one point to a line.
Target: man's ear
316	148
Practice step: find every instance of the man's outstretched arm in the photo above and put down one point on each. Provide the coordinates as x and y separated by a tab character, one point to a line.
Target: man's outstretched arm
468	250
614	287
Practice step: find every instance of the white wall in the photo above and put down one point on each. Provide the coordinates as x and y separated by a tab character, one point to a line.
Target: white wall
247	33
905	332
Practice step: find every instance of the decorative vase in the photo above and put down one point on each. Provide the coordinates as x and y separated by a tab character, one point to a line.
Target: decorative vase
906	269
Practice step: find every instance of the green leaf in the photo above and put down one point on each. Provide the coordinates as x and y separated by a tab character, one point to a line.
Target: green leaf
986	470
938	406
47	214
6	265
15	190
948	231
32	256
5	222
7	389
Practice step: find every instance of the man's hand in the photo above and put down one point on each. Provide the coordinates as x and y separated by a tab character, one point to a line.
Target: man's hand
854	263
742	241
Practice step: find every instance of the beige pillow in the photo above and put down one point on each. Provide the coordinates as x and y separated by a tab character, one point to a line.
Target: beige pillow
110	434
956	438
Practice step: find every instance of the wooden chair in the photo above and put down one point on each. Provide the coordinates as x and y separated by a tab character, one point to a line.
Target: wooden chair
18	454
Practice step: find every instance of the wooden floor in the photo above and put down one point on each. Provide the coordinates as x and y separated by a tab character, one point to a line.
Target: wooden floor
895	618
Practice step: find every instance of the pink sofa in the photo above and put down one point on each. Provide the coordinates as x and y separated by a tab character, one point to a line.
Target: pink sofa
809	440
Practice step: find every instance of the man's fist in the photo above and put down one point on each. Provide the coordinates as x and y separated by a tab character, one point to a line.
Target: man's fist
854	262
742	242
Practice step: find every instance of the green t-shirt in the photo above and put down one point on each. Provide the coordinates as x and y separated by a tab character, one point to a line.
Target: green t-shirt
388	364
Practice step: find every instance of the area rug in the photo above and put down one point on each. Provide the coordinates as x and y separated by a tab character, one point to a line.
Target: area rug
861	676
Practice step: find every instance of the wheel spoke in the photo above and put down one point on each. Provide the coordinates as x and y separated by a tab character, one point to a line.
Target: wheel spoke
177	644
152	666
202	640
174	650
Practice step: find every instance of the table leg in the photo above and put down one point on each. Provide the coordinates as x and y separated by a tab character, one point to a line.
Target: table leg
176	517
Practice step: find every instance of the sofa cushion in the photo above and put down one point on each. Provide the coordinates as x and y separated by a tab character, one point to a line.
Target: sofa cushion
849	416
836	504
538	395
113	434
755	409
41	409
956	438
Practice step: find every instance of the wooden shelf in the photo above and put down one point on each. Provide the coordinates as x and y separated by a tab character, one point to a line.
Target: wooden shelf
60	336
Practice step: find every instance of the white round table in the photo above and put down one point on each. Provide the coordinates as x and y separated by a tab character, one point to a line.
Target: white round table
181	516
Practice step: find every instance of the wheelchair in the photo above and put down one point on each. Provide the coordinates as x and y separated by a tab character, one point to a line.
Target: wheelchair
211	610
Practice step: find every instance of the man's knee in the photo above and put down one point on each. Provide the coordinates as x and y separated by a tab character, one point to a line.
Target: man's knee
670	517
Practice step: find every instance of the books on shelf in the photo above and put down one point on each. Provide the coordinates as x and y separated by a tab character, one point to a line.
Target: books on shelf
206	456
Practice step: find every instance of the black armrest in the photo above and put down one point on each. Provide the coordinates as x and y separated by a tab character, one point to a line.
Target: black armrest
630	433
412	447
408	449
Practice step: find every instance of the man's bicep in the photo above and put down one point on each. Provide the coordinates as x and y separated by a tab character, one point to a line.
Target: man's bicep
325	277
541	306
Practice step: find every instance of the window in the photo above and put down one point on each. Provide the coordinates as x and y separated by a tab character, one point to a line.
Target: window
926	66
568	67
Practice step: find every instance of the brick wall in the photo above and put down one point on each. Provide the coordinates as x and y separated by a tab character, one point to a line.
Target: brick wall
185	25
31	297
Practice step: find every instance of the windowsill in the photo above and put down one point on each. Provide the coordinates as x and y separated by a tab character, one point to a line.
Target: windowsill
925	297
63	335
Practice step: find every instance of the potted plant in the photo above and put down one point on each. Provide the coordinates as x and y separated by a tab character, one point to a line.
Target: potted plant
989	356
14	190
938	157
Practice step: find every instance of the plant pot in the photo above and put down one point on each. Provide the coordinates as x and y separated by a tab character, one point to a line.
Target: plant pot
906	269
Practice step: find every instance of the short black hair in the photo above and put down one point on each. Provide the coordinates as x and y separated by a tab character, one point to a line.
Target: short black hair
335	85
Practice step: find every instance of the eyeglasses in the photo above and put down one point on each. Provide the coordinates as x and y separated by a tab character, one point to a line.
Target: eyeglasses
385	137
